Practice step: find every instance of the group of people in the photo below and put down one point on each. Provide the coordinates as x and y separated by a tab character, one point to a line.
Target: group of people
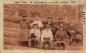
43	34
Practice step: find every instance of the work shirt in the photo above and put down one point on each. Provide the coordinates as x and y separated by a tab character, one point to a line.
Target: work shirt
47	34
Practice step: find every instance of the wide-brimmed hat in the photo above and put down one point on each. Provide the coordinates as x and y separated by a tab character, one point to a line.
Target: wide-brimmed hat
47	25
35	24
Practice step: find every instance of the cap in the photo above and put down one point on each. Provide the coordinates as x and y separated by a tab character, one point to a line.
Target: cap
47	25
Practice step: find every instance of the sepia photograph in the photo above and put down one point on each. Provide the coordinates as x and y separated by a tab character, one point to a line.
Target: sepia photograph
43	27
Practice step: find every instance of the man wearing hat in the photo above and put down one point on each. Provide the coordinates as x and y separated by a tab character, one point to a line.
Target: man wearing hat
35	35
23	38
60	36
47	36
49	21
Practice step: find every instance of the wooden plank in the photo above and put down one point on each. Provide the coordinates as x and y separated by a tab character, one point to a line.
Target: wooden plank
11	41
11	24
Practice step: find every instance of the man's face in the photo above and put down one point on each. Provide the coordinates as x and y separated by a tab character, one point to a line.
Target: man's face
49	19
47	28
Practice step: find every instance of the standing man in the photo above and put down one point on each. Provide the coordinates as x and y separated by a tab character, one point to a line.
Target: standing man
23	38
52	25
49	21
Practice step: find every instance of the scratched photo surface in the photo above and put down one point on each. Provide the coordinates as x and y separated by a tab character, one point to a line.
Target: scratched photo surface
43	27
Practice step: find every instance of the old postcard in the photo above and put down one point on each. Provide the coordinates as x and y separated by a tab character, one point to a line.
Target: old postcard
39	26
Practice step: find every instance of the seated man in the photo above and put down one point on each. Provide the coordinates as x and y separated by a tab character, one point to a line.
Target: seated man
77	39
35	35
47	36
60	37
